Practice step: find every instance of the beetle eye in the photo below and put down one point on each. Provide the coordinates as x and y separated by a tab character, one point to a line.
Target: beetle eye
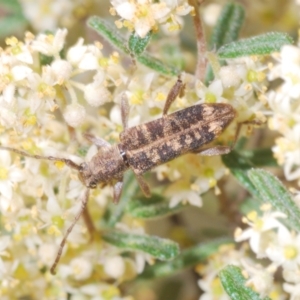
92	185
82	167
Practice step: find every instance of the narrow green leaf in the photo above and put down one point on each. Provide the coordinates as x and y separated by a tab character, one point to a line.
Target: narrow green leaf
234	284
155	207
272	191
250	204
12	24
259	45
109	32
260	157
159	248
115	212
157	65
239	167
189	257
228	26
137	45
12	5
226	30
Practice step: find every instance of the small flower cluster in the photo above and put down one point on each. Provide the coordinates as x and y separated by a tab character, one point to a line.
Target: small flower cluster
269	239
52	14
143	16
44	107
285	106
50	95
30	89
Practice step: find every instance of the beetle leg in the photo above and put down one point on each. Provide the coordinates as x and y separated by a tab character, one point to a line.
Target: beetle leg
118	191
176	90
124	110
217	150
99	142
143	185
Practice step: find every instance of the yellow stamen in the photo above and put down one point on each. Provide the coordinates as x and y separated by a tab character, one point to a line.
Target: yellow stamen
3	173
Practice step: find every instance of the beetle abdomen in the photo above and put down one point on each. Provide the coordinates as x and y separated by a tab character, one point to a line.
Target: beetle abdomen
164	139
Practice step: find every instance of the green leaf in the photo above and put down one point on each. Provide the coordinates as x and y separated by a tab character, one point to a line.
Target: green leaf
259	45
109	32
239	167
228	26
226	30
137	45
250	204
116	211
113	36
157	65
189	257
12	5
45	59
260	157
234	284
12	24
12	21
272	191
240	162
159	248
154	207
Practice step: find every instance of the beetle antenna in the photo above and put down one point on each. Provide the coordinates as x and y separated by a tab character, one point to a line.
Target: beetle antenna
63	242
68	162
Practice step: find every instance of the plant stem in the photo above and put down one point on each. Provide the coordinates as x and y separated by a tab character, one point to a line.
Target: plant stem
201	42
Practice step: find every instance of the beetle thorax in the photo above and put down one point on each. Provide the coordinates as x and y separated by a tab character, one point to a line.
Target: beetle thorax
105	166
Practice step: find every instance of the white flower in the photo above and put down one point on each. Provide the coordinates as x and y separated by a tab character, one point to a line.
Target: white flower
291	275
5	242
7	117
9	175
114	266
20	72
260	233
143	16
74	114
192	197
47	253
42	88
49	14
286	250
50	44
293	290
261	278
62	70
211	13
288	67
232	75
82	268
212	93
96	93
124	8
76	52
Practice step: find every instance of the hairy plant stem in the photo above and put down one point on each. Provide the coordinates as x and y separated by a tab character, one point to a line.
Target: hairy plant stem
201	42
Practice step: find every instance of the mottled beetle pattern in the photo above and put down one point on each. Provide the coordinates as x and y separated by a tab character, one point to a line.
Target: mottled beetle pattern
157	142
146	146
